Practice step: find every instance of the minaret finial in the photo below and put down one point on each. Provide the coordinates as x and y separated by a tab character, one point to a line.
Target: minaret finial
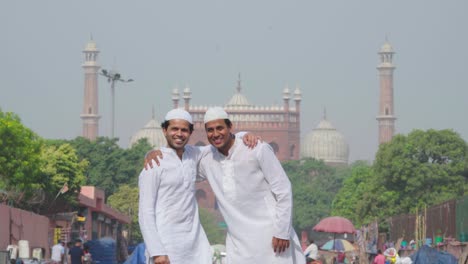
153	114
324	113
91	36
239	87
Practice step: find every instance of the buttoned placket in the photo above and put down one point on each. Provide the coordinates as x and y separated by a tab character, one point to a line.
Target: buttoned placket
185	167
229	183
187	170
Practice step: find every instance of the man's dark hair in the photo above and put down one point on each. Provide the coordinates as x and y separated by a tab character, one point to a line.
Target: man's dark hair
165	125
379	251
228	122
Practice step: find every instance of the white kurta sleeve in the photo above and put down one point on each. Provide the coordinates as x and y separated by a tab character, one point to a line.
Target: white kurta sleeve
280	187
148	183
202	151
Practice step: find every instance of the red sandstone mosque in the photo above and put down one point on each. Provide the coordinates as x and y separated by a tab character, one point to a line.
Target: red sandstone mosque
280	126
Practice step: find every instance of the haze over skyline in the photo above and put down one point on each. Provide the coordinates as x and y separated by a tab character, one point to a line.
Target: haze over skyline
328	48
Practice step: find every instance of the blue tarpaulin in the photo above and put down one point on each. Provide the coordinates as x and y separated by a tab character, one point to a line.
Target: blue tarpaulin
428	255
103	251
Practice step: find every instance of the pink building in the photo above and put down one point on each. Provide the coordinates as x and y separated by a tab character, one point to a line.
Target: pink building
94	219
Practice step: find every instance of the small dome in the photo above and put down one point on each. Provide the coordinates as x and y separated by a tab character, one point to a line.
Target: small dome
152	132
238	99
386	48
325	143
91	46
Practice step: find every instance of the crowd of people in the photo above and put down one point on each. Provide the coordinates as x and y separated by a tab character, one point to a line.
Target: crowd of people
70	253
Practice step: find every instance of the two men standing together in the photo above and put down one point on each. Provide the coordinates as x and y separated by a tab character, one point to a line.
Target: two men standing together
253	193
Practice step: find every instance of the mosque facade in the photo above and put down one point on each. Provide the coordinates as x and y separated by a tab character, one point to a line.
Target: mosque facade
278	125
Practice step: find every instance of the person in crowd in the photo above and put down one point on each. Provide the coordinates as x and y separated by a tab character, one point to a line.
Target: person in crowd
380	258
76	253
87	257
58	253
311	252
68	246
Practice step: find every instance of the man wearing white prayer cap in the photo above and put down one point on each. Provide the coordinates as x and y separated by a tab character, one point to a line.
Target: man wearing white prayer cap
168	211
254	196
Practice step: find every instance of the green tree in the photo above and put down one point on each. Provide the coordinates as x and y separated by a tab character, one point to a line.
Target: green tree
109	165
62	176
423	168
314	186
215	234
362	196
20	159
125	200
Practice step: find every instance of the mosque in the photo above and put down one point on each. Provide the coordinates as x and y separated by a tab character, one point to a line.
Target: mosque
279	126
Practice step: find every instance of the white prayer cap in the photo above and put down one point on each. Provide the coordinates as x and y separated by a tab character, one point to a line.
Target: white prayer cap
215	113
178	114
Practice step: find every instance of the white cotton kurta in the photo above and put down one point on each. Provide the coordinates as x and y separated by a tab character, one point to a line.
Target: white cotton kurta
255	198
168	211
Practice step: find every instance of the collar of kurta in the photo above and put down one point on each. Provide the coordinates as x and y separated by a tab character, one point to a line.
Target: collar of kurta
231	150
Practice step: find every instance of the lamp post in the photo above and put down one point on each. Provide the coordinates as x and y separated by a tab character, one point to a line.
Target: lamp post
112	77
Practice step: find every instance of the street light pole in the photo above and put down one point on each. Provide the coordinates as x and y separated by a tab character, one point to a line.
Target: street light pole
112	77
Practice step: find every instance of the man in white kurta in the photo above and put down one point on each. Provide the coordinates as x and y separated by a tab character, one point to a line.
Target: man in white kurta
168	211
254	195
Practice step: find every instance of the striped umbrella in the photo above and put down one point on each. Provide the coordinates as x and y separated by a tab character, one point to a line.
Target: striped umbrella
338	245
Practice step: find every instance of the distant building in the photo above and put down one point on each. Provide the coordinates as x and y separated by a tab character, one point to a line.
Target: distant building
94	220
277	125
325	143
90	112
153	133
386	118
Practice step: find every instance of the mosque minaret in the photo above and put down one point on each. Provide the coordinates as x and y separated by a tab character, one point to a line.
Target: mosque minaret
90	114
386	117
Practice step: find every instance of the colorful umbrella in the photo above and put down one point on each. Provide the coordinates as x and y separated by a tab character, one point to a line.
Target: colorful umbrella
338	245
335	224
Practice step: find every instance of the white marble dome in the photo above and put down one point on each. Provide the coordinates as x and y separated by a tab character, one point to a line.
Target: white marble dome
152	132
325	143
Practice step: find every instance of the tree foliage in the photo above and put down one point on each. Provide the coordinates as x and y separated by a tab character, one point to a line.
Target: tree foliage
20	159
62	176
215	234
125	200
314	186
422	168
109	165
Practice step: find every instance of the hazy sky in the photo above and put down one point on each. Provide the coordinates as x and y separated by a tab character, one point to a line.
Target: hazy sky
328	48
